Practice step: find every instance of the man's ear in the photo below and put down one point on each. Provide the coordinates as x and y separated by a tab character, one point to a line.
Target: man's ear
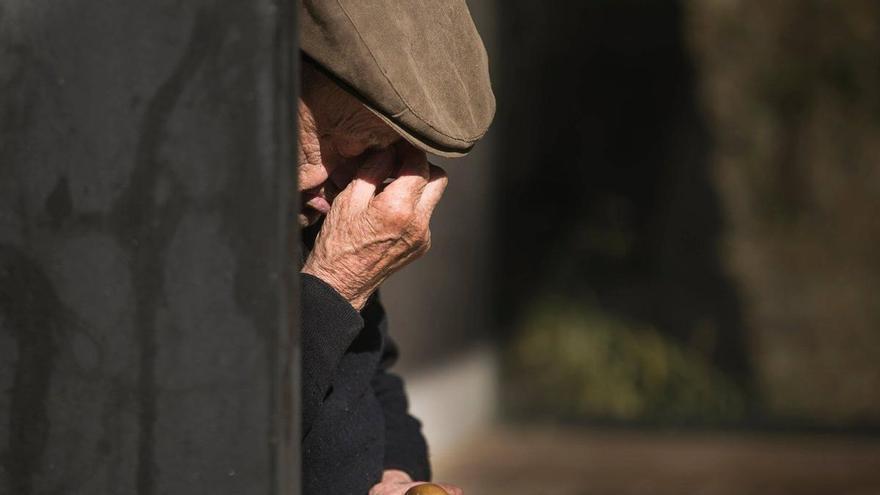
306	117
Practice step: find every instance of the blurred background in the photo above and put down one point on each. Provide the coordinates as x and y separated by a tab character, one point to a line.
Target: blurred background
658	272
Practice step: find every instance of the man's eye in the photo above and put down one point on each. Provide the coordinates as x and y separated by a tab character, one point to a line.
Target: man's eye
370	149
349	149
354	149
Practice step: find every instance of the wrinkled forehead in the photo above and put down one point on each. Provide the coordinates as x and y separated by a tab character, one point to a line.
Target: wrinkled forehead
373	131
339	113
362	131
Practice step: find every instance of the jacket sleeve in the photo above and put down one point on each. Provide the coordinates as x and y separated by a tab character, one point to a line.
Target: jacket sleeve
405	445
329	326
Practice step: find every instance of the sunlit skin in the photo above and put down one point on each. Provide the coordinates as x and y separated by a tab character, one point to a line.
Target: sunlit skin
378	193
336	134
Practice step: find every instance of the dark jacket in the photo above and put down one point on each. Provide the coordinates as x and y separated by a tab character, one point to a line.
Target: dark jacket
355	422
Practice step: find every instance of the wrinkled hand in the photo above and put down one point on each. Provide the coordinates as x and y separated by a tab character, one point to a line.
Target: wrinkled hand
396	482
373	230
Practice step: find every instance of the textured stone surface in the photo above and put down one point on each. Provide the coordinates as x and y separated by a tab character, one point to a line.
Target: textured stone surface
144	195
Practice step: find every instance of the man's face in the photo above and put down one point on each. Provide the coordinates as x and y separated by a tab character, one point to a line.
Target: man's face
336	134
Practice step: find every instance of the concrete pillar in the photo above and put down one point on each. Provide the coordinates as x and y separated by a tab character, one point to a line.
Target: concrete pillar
146	344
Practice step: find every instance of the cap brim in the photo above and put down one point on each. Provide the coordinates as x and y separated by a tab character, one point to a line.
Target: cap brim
423	144
420	143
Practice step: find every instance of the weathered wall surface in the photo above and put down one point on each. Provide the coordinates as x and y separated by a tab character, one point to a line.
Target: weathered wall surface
144	168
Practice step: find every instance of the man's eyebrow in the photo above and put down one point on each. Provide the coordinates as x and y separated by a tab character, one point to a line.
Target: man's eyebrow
378	142
390	139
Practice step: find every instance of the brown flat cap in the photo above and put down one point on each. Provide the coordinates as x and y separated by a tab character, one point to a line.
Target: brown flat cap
419	65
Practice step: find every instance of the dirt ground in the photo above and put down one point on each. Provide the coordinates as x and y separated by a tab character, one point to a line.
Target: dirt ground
559	461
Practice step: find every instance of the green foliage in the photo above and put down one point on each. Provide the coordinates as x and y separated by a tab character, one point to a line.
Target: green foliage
574	361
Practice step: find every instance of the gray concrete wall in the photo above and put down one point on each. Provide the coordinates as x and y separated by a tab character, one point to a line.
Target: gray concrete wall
145	183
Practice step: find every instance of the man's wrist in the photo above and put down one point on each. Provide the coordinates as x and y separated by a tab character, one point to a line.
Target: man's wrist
356	300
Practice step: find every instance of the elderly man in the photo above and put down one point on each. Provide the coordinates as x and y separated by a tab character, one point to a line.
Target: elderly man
383	83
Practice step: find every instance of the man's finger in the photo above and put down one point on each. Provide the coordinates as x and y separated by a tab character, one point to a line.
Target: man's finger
413	160
412	177
433	191
375	169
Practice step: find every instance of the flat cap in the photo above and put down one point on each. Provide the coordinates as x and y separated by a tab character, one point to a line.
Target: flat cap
419	65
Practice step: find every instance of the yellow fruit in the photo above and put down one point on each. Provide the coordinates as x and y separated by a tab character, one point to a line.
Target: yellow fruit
426	489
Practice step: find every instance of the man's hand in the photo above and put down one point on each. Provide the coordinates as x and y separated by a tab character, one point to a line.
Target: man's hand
396	482
373	230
